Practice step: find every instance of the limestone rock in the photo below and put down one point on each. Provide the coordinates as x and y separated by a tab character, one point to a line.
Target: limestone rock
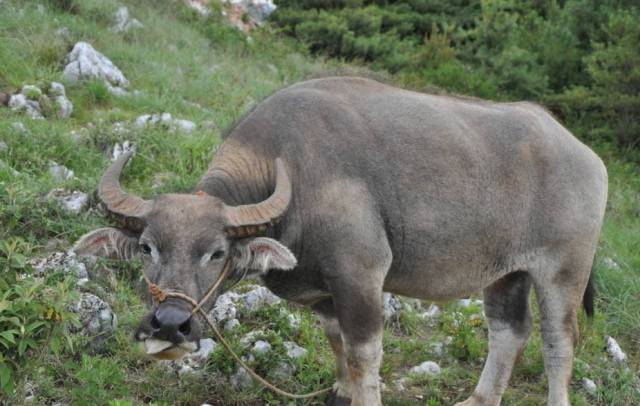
72	202
261	347
427	368
294	350
392	306
85	63
21	104
258	297
231	324
123	22
60	172
614	350
66	262
241	379
95	315
589	385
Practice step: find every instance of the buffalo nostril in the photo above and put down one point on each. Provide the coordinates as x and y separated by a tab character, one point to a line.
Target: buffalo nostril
185	328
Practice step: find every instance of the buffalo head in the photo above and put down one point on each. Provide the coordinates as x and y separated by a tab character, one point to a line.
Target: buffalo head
184	241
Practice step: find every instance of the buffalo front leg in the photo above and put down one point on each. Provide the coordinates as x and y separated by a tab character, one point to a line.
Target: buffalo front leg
360	317
341	395
507	311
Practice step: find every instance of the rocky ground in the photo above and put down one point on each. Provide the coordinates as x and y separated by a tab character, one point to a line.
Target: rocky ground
124	75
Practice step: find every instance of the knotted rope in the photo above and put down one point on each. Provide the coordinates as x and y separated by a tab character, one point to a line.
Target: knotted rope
160	295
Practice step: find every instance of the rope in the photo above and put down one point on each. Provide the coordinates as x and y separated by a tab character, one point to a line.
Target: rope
160	296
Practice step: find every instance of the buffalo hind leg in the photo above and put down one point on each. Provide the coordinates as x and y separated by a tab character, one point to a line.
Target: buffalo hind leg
506	306
559	299
341	395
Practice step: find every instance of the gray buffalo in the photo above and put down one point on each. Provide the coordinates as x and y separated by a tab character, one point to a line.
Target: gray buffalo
336	190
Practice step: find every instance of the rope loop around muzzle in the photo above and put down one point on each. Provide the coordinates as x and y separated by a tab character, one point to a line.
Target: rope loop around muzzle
160	295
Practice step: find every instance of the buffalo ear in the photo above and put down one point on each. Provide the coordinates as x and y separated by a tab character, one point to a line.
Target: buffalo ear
261	254
107	242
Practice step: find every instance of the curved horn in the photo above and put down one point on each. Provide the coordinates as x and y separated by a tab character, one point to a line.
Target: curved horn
251	219
112	195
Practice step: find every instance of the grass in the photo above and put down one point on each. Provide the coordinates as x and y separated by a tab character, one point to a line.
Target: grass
202	70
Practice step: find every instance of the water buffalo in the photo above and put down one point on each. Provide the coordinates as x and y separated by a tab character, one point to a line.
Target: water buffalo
337	189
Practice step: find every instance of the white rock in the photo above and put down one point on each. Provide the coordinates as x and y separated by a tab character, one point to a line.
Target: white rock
231	324
258	297
199	6
469	302
64	107
66	262
432	312
31	92
72	202
614	350
119	149
609	263
198	359
95	316
225	308
123	21
19	127
56	89
294	321
84	62
392	306
60	172
282	371
184	126
589	385
294	350
261	347
251	337
117	91
20	104
258	10
241	379
166	118
427	368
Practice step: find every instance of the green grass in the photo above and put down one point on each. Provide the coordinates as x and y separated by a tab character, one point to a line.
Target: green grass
179	59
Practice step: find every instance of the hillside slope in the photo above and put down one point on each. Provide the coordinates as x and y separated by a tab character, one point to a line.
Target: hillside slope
206	72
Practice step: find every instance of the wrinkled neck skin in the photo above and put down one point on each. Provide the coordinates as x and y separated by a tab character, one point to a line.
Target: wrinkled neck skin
238	175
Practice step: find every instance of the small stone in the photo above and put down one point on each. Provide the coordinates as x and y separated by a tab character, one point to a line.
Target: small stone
427	368
63	107
117	91
119	149
589	385
60	172
614	350
469	302
432	312
66	262
123	21
282	371
392	306
31	92
258	297
609	263
294	321
250	338
225	308
72	202
261	347
294	350
241	379
56	89
231	324
437	349
184	126
95	316
19	127
3	146
20	104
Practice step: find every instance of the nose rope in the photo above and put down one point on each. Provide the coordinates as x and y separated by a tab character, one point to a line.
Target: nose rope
160	295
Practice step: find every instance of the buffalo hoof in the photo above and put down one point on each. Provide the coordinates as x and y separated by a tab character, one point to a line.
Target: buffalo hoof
335	400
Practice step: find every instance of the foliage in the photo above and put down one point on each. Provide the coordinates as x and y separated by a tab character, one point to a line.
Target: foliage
580	57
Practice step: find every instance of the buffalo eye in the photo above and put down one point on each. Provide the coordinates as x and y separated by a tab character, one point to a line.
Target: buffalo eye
146	249
217	255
